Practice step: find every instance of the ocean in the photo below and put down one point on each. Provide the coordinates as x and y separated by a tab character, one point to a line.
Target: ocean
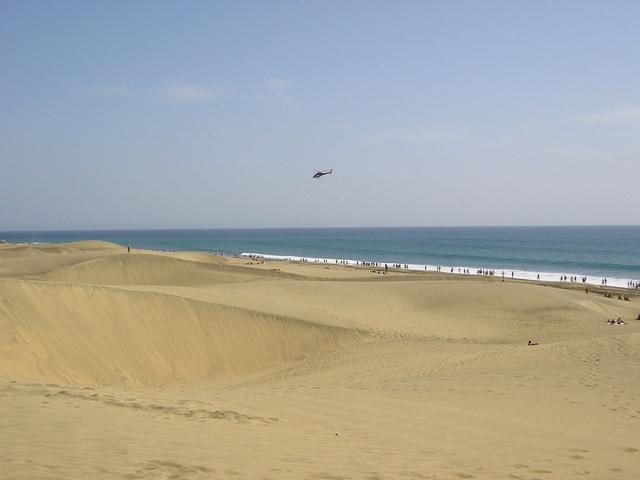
597	252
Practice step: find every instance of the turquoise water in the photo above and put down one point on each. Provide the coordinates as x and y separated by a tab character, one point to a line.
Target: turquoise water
596	251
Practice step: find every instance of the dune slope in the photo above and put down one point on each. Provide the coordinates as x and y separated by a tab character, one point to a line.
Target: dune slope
97	335
146	269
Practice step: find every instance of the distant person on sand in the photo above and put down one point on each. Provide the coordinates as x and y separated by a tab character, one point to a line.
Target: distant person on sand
128	249
530	343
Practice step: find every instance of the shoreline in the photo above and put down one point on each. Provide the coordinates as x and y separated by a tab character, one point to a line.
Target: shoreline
509	274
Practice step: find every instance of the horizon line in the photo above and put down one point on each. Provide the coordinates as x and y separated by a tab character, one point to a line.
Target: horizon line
309	228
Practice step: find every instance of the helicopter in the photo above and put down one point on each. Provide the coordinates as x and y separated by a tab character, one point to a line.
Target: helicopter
321	173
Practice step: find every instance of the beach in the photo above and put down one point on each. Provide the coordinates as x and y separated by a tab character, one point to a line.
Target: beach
586	281
150	364
588	254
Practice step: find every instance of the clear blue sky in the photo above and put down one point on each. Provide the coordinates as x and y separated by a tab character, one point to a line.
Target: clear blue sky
215	114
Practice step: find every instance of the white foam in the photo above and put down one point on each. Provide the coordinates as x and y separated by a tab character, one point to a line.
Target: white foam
508	273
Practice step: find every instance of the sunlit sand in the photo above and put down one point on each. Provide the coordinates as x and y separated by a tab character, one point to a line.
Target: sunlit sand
186	365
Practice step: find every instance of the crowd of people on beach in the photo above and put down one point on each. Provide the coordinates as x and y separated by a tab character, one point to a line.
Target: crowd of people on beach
404	266
633	284
564	278
489	273
630	283
257	258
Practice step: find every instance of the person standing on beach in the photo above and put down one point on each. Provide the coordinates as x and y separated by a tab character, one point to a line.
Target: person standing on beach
128	249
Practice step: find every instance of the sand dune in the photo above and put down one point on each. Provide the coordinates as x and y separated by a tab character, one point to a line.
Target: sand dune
17	260
94	335
146	269
186	365
497	312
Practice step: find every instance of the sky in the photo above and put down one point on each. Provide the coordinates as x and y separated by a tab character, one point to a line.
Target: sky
215	114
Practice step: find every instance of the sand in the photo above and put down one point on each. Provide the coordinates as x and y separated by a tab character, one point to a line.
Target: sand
149	365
